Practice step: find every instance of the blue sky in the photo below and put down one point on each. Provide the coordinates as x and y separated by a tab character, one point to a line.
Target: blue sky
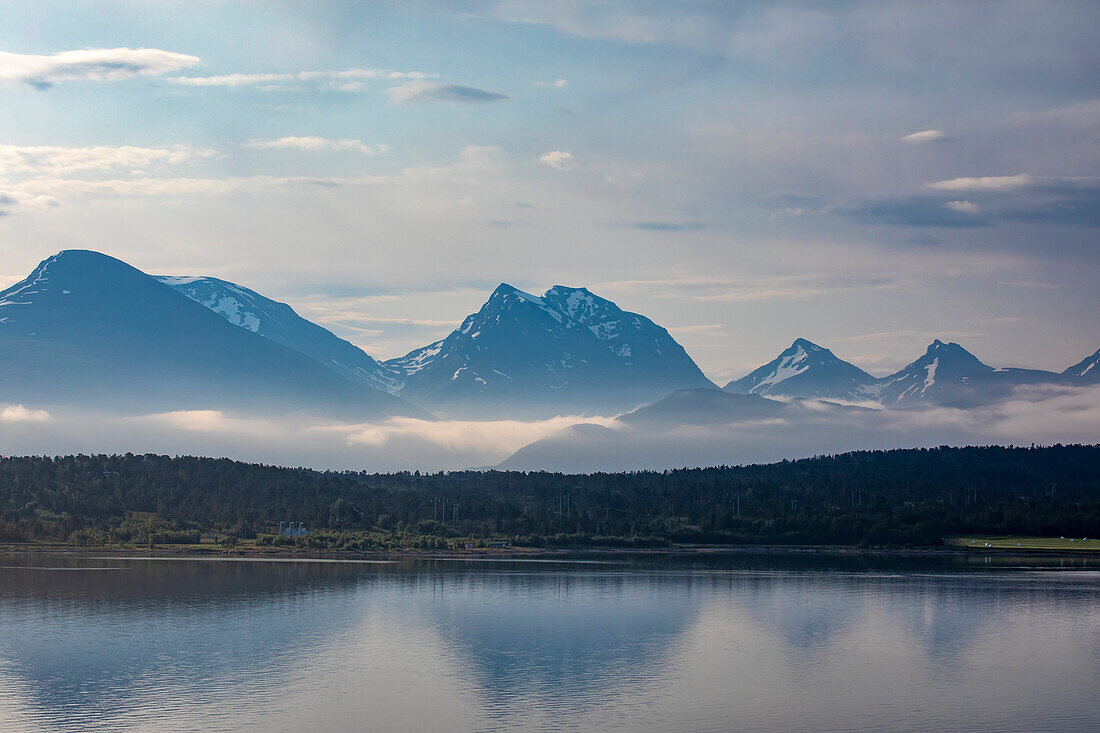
866	175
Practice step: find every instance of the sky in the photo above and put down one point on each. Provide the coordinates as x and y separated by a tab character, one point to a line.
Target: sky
869	176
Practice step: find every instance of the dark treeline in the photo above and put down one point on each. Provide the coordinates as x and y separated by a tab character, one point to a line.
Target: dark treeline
902	497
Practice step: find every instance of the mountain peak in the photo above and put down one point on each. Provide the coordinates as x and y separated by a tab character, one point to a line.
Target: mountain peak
569	349
806	344
946	373
566	290
805	369
91	330
505	292
1088	369
953	351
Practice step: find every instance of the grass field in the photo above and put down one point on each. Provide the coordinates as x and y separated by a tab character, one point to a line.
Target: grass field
1050	544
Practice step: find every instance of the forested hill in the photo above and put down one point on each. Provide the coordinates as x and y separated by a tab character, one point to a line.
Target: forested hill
901	497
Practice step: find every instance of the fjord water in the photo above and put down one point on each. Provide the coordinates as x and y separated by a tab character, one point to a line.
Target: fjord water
632	643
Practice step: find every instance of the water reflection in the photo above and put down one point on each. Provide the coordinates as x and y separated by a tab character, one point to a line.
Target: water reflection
631	643
557	640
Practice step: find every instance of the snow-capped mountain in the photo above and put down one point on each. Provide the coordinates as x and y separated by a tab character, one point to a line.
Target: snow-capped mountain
278	322
806	370
85	329
568	350
1086	371
948	374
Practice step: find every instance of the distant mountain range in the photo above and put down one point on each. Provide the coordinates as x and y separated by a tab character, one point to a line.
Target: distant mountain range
947	374
86	329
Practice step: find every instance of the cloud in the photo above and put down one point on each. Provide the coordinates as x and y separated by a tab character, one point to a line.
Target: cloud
43	192
348	80
966	207
56	160
926	136
317	144
19	413
212	421
913	211
990	200
671	226
60	189
502	436
423	91
1044	415
91	64
12	201
560	159
559	83
985	183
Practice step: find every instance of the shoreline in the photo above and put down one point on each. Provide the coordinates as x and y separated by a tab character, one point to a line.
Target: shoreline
531	553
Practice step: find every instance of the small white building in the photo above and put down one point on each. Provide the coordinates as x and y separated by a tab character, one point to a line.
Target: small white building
292	529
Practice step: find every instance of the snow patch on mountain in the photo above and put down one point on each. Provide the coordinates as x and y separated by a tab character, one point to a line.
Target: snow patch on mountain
277	321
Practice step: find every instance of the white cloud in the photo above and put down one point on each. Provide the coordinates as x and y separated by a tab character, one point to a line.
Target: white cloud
985	183
64	188
560	159
925	136
318	144
499	436
559	83
346	80
14	200
19	413
423	91
41	192
54	159
965	207
213	421
90	64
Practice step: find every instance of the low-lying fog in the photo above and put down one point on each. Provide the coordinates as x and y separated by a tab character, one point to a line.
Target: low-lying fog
567	443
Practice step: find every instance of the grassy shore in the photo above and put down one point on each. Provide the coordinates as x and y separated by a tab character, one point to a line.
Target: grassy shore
1002	545
1025	544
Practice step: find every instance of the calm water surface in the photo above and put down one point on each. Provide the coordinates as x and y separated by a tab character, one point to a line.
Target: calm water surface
716	643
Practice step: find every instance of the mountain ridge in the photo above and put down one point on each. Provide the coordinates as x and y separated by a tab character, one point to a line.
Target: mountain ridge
86	329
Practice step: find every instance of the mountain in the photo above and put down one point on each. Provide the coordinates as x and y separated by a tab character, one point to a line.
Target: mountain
806	370
567	351
704	407
85	329
708	427
1086	371
948	374
279	323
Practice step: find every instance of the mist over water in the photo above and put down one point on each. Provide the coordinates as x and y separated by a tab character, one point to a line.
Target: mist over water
640	643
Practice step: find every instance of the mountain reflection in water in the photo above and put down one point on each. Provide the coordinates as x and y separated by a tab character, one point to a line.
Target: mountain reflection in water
626	643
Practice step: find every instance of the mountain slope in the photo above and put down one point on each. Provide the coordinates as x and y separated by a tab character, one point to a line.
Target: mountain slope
570	350
1086	371
278	322
948	374
85	329
806	370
